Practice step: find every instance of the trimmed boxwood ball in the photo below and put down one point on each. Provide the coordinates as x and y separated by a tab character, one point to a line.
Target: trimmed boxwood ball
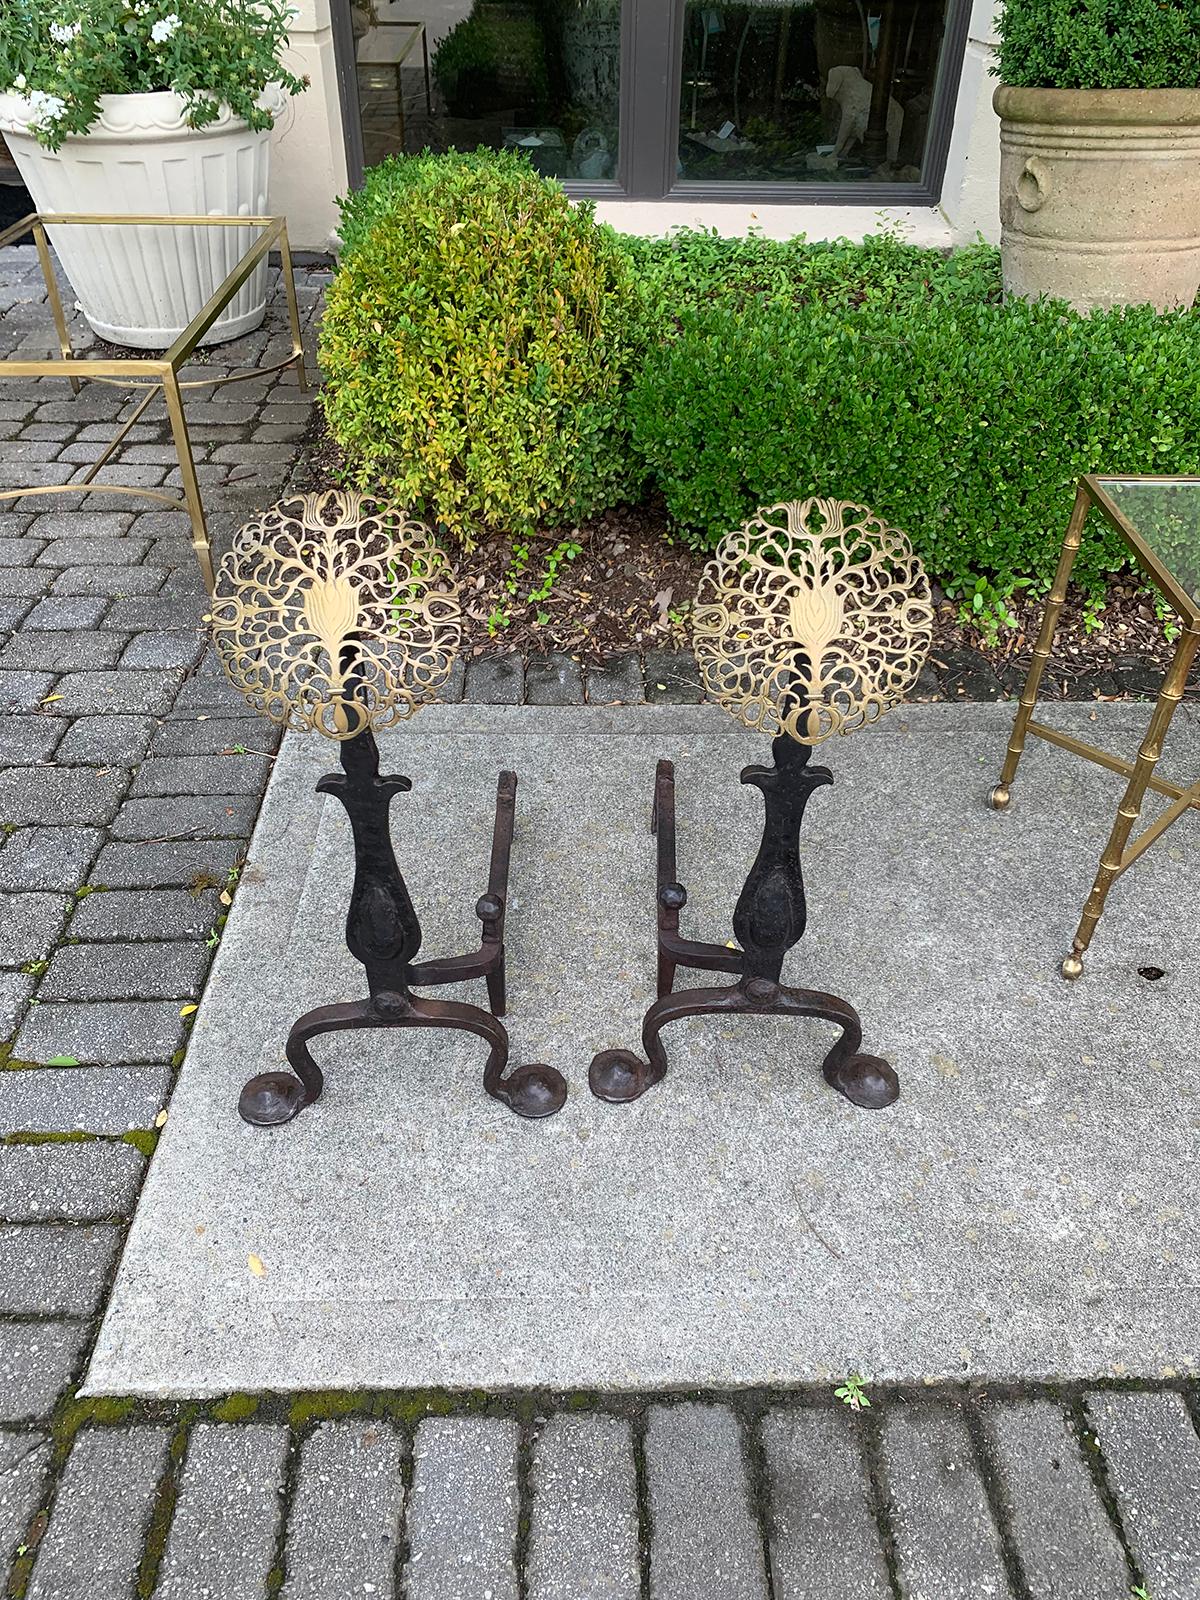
477	343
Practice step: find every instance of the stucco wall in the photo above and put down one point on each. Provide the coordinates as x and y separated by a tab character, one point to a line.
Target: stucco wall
971	190
308	158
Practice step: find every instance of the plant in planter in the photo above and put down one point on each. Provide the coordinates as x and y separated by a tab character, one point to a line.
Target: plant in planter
1100	150
156	107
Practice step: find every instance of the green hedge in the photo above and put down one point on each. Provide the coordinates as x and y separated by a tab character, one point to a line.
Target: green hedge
477	345
964	420
496	359
1100	44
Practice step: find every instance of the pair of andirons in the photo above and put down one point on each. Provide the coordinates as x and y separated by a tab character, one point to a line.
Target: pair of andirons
336	614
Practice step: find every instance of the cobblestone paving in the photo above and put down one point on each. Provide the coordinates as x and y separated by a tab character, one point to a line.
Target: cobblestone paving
130	777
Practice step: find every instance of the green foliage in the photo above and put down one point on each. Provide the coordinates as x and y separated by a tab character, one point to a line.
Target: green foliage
853	1393
1100	44
477	344
910	386
693	269
494	58
62	55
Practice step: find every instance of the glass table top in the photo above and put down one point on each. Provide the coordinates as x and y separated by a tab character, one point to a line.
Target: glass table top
1164	516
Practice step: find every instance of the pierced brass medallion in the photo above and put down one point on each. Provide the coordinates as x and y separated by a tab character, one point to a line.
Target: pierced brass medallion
813	618
335	613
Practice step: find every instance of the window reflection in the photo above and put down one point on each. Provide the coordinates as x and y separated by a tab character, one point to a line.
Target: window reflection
779	92
541	76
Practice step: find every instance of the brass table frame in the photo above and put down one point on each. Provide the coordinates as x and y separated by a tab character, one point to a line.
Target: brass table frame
154	374
1119	854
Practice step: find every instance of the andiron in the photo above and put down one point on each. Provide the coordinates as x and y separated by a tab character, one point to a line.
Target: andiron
339	615
383	932
769	918
813	618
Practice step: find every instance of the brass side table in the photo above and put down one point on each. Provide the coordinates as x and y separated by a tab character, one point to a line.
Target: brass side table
154	375
1159	519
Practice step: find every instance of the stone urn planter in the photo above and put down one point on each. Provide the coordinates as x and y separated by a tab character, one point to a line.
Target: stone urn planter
1100	195
142	286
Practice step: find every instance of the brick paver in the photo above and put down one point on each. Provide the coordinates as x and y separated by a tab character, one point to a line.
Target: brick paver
93	1546
227	1517
696	1462
584	1526
462	1520
339	1543
824	1538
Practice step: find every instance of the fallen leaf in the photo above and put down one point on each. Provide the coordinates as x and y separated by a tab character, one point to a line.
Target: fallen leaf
255	1263
186	1011
225	897
51	697
62	1061
160	1119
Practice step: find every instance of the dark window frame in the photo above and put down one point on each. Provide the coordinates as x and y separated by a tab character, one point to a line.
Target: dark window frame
648	121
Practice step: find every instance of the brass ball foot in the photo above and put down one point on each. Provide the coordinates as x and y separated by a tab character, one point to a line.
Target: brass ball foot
1000	797
1072	967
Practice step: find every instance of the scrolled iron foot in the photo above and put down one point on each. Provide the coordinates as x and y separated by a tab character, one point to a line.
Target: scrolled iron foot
271	1098
532	1091
867	1081
619	1076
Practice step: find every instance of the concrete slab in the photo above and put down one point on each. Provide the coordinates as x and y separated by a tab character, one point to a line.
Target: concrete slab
1021	1212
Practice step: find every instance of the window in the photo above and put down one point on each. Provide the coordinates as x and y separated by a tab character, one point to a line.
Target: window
737	99
540	76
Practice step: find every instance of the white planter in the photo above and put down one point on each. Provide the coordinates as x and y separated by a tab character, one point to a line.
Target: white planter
142	286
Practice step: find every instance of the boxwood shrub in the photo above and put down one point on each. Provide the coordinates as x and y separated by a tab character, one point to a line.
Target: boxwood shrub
477	344
964	419
1100	44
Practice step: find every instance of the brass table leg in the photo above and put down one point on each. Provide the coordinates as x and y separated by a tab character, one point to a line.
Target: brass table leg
188	478
1113	861
1000	796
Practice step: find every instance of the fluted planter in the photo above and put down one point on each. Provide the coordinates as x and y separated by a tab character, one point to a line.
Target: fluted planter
1100	195
142	286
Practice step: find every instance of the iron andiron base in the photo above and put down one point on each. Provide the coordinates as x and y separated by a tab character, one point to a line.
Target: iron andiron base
382	931
768	920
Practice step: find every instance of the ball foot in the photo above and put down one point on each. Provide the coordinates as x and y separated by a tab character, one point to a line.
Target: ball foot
866	1081
1000	797
535	1091
1072	966
271	1098
617	1076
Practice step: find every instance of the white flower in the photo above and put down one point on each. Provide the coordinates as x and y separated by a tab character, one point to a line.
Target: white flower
64	32
19	81
47	108
162	31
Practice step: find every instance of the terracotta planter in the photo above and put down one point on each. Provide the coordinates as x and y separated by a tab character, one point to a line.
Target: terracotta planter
1100	194
142	286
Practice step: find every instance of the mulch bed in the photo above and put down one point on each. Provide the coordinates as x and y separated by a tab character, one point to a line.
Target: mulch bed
630	589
